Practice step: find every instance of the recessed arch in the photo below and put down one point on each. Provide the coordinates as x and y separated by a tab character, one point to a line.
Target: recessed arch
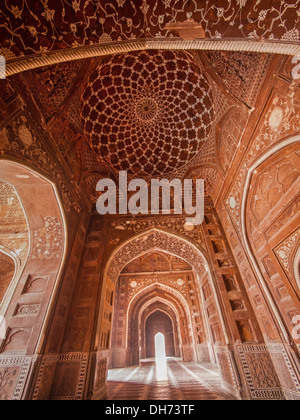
160	240
154	240
168	308
250	172
141	301
152	297
48	235
159	323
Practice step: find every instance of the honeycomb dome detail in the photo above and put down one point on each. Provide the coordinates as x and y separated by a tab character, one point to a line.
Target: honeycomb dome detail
147	113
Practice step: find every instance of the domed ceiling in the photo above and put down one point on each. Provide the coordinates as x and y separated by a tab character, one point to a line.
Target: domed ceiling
147	113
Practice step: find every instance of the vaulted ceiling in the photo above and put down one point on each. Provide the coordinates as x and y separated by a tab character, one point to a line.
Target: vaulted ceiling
154	113
170	114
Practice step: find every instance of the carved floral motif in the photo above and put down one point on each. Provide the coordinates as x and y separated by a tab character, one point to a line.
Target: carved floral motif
47	241
154	240
286	249
38	27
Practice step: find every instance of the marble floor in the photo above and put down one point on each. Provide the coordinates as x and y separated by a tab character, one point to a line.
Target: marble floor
173	380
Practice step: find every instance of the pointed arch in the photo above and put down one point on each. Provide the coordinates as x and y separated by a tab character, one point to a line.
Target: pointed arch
45	260
154	240
160	240
251	171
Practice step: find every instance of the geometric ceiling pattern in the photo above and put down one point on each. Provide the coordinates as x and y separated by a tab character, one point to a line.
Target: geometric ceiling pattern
232	80
148	113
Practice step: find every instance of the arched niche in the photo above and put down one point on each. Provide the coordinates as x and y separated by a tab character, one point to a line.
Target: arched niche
30	295
269	193
170	311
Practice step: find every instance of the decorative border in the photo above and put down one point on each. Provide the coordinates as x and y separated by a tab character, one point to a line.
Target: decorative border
280	349
25	364
76	357
257	394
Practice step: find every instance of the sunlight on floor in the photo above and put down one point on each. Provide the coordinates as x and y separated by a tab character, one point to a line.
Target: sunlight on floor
160	358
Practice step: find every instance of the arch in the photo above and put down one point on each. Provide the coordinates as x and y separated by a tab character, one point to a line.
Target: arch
155	287
182	311
159	240
151	297
154	240
14	234
46	256
152	311
167	308
251	170
79	53
165	327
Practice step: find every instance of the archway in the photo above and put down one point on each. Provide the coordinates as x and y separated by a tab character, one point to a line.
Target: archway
30	293
161	241
14	238
198	333
170	314
159	336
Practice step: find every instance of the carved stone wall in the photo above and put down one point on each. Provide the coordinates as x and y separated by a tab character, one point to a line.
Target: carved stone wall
270	220
25	154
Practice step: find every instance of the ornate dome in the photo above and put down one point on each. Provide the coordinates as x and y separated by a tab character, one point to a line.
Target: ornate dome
148	113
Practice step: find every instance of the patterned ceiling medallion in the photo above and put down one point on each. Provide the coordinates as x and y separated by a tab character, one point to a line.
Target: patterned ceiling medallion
146	110
147	113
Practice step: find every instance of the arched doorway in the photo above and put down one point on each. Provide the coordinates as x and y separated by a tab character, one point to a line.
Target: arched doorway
199	332
159	326
154	282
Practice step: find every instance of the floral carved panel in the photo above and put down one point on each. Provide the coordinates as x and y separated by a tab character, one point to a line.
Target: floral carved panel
52	25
